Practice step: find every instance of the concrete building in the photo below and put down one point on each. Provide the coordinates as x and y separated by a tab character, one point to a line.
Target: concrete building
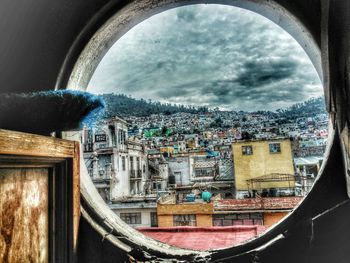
159	174
182	168
138	167
140	212
185	214
253	211
198	171
271	159
307	168
118	166
230	212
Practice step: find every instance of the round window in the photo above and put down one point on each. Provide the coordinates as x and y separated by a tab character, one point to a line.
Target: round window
215	127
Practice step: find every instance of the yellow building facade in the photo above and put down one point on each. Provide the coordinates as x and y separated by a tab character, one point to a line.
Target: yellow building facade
269	163
200	213
166	149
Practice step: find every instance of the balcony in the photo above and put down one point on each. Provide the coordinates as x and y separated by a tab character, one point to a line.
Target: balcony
103	176
104	149
88	147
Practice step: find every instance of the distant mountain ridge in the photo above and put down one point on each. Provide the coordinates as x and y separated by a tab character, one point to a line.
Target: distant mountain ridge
125	106
308	108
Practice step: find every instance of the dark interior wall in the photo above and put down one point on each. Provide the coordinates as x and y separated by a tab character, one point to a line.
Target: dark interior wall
308	12
92	247
36	37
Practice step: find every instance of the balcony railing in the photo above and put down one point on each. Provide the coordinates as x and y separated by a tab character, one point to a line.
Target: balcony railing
89	147
135	174
101	174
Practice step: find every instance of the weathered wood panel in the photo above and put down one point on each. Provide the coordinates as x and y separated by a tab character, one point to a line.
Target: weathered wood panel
76	192
19	143
18	149
24	215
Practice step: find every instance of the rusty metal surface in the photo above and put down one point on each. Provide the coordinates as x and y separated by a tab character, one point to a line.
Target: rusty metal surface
24	217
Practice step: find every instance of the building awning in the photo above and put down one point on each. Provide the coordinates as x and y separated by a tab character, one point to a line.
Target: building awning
300	161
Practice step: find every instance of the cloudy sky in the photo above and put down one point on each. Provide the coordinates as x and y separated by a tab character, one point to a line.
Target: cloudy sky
213	55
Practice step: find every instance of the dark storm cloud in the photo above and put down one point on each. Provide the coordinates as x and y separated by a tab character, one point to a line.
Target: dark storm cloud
263	72
186	15
209	55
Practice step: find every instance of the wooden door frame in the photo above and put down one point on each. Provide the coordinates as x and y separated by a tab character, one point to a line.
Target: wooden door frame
62	158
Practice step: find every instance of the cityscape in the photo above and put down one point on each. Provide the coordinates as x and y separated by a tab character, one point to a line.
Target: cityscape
169	169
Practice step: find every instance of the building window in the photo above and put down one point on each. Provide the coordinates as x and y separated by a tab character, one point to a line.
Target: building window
205	172
119	136
123	163
154	219
131	218
102	146
122	137
185	220
247	150
275	147
112	132
157	186
137	163
131	163
89	147
238	219
144	168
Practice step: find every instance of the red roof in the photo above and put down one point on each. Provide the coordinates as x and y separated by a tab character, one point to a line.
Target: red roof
203	238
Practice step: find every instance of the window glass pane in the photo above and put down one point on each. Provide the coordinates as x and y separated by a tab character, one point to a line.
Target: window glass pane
234	216
131	218
227	222
185	220
256	215
275	147
247	150
248	222
217	222
243	216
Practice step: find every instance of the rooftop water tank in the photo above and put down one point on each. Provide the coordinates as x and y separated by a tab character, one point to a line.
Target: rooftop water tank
206	196
190	197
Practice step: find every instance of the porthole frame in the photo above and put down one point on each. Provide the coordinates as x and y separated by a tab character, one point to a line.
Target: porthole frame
97	37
